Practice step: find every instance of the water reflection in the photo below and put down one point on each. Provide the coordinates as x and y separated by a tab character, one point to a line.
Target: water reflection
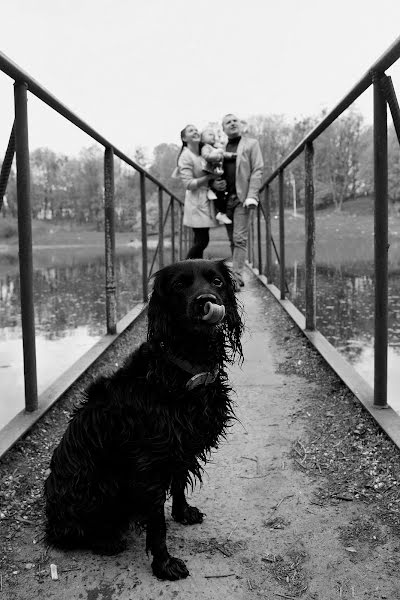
345	315
69	300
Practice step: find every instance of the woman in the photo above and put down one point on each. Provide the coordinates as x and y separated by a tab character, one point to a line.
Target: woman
199	213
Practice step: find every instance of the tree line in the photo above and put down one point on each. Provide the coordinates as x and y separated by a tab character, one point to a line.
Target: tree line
65	188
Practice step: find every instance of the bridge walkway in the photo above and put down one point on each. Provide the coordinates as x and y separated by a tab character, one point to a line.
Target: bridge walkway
293	498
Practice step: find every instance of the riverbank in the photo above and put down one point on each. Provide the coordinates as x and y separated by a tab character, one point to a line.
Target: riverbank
301	501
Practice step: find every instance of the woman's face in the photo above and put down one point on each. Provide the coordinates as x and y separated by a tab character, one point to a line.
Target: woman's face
191	134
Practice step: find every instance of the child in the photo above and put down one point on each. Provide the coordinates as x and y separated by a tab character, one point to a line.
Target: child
213	158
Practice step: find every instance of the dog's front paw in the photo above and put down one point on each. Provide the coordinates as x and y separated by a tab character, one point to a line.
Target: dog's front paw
188	515
172	569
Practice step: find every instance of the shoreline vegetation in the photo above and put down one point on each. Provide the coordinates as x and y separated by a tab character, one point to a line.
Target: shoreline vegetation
341	237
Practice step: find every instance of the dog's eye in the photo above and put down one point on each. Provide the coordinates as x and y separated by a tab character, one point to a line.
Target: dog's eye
218	282
178	286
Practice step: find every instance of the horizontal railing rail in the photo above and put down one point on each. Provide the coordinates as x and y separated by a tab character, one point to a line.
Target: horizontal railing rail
383	96
19	145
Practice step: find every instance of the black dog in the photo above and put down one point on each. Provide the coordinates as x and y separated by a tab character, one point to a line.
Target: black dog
146	430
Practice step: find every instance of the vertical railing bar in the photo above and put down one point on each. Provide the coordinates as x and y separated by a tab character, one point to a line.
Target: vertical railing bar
172	230
160	229
268	249
109	232
259	239
311	276
282	233
180	231
145	284
158	243
7	163
381	244
25	245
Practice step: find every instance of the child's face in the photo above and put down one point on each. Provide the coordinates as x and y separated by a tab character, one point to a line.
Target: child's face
208	137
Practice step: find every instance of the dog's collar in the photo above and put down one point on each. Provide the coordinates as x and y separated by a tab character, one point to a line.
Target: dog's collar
200	375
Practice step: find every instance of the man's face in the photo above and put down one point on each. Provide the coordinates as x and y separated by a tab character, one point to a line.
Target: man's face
231	127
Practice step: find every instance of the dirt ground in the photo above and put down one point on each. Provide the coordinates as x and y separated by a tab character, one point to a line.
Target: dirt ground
302	500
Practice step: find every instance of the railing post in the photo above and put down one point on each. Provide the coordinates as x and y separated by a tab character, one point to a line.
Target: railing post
145	287
259	239
25	245
268	249
160	229
250	249
172	230
311	276
282	233
109	231
180	231
381	243
6	166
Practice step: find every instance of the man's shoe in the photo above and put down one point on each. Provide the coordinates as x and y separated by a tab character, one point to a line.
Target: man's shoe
223	219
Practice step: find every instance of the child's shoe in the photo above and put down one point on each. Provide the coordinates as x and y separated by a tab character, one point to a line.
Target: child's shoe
211	195
223	218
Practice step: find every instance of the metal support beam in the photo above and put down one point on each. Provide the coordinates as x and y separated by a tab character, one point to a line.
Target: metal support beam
172	230
391	98
145	284
259	239
6	166
109	231
282	233
268	249
25	245
160	229
311	277
381	243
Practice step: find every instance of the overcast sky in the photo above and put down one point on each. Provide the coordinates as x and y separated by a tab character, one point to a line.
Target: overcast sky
139	70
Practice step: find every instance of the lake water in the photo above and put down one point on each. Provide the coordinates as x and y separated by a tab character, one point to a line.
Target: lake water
69	298
70	312
345	316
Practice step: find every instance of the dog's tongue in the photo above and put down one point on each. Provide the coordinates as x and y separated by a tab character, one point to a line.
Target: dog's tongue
213	313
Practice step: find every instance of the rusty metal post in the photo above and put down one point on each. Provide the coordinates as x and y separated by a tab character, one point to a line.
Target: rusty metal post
259	239
172	230
391	99
109	231
250	237
282	233
160	229
268	248
180	231
6	166
25	245
381	243
311	274
145	284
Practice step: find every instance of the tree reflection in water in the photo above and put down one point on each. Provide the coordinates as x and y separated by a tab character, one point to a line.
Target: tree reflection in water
345	315
69	301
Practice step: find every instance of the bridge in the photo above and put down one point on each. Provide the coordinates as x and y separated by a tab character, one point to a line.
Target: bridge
302	500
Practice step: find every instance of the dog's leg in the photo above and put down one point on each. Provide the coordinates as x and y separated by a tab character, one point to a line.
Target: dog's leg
181	510
164	565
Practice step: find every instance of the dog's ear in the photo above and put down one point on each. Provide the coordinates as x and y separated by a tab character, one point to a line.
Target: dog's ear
233	317
158	316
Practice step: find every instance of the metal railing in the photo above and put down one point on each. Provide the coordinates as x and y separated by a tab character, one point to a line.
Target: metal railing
384	94
18	144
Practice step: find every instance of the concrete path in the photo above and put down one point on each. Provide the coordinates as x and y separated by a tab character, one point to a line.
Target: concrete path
264	536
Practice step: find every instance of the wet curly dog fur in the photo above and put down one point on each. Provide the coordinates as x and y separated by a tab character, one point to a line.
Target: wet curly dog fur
147	430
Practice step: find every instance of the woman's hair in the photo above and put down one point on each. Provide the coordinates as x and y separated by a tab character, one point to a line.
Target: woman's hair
184	144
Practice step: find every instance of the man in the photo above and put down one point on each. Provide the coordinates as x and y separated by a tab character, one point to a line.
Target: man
242	180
